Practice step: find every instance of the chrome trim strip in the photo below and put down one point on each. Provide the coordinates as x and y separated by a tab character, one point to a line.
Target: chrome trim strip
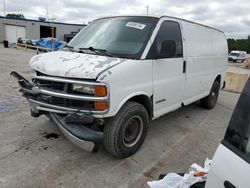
53	106
50	110
71	96
66	109
65	80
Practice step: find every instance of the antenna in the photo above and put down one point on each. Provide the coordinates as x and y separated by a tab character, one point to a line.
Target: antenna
4	8
147	7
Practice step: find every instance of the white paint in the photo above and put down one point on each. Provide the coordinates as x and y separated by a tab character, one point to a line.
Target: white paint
169	84
71	64
227	166
128	79
205	51
14	32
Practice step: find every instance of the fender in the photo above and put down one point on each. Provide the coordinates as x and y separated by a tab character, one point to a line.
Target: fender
129	97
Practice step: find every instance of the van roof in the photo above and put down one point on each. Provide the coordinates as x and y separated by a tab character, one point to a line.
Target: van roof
237	51
163	16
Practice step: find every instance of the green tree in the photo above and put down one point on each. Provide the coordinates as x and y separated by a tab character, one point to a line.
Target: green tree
239	44
15	16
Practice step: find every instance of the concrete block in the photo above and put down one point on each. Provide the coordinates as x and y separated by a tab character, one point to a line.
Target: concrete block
247	63
235	81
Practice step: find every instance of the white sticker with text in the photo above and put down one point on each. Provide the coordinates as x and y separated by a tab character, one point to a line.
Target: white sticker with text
135	25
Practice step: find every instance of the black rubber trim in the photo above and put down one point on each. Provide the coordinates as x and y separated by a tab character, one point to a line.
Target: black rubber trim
159	101
184	67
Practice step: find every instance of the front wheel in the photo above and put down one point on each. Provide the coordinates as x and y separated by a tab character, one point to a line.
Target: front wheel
210	101
125	133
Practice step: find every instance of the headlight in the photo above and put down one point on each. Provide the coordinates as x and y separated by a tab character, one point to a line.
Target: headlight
88	89
96	90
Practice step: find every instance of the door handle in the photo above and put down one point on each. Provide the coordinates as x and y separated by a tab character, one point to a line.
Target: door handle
184	66
227	184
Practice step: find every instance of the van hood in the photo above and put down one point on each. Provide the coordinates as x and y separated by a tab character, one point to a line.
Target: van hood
72	64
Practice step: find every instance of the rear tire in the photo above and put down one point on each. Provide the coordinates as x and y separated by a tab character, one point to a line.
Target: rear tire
209	101
125	132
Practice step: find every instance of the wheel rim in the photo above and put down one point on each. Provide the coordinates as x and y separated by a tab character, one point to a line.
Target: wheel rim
132	131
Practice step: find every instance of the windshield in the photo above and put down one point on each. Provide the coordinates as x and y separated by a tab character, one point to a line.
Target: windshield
119	36
234	54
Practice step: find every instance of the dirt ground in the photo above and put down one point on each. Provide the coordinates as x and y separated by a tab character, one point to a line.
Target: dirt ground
33	153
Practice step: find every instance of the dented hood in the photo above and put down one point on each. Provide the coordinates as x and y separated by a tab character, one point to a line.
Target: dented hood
72	64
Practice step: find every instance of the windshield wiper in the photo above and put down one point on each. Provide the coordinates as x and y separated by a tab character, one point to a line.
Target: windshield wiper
97	51
69	47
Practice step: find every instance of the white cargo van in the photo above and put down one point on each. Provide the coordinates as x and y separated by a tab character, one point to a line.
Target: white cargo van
119	73
237	56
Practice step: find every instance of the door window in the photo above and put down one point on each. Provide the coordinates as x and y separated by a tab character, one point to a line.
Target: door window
237	137
168	42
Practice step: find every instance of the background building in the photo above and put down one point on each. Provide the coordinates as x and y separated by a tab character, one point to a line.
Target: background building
11	29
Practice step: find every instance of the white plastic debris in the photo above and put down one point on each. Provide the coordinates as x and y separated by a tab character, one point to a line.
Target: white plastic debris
172	180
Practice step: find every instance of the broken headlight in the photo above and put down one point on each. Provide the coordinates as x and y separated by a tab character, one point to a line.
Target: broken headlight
87	89
96	90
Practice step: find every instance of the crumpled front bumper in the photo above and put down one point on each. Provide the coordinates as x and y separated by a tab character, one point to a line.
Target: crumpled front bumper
80	135
74	123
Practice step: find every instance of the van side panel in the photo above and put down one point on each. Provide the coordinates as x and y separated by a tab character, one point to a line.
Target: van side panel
227	166
205	51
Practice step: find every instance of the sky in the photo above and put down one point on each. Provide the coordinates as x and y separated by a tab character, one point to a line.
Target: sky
230	16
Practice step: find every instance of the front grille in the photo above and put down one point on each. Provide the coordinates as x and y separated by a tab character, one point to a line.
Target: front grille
52	100
57	101
51	84
85	105
60	87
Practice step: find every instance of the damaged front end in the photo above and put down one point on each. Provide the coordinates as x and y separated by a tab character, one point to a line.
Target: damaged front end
72	111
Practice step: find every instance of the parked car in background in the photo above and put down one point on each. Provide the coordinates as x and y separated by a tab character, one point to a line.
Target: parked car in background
119	73
231	163
237	56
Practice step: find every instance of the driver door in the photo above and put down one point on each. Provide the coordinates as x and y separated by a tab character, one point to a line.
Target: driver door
168	68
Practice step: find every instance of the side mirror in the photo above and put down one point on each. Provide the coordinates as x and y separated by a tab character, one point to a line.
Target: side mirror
165	49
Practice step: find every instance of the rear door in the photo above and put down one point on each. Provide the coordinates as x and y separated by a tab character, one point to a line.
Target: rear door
231	163
168	75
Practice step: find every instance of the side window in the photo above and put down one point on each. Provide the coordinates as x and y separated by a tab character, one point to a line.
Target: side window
168	42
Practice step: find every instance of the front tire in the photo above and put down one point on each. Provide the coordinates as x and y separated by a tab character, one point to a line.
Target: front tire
125	132
209	101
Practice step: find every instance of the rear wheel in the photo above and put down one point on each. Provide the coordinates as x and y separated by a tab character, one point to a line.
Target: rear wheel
210	101
125	133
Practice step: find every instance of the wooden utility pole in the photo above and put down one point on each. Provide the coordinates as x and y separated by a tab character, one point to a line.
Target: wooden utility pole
53	33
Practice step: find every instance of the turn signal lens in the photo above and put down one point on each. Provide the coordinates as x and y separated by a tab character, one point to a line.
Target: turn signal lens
100	91
101	105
